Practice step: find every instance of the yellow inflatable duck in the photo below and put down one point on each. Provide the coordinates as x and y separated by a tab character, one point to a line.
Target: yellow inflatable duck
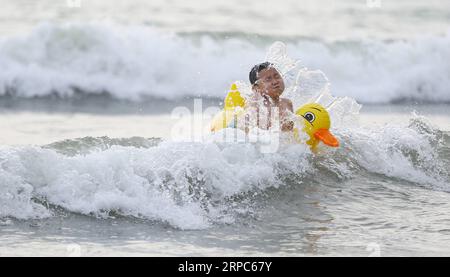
317	125
234	107
316	119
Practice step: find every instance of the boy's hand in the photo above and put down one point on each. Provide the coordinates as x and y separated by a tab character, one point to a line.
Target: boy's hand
287	126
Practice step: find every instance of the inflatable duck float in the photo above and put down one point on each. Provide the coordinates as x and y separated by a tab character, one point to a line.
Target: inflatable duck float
315	117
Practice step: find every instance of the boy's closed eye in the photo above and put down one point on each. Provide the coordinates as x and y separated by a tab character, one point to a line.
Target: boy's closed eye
270	78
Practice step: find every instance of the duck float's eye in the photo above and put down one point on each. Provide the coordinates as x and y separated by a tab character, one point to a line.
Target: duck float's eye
310	117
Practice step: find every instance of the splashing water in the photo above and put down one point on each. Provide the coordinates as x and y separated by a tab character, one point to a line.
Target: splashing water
196	185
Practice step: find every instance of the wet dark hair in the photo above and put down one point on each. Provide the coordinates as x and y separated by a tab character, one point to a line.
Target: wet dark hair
253	75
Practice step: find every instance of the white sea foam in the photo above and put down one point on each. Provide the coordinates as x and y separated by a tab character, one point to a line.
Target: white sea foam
177	183
135	62
192	185
189	185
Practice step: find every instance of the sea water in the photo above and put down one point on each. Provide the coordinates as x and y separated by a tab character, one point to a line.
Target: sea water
89	166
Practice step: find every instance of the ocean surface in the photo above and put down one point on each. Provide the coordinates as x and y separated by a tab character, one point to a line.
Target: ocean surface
93	95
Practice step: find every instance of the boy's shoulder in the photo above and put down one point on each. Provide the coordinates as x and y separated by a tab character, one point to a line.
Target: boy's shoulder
286	102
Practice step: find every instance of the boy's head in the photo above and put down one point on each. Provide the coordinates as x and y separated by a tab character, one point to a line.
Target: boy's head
266	80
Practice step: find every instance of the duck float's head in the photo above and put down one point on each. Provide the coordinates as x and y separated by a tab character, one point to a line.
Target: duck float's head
317	125
234	99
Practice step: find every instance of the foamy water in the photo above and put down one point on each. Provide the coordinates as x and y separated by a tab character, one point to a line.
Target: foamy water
150	189
89	164
372	51
135	63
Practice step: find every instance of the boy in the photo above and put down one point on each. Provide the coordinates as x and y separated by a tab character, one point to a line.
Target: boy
268	85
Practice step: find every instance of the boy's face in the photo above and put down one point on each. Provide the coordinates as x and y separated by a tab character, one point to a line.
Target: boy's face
269	83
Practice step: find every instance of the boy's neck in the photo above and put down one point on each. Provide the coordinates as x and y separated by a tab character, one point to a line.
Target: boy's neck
272	100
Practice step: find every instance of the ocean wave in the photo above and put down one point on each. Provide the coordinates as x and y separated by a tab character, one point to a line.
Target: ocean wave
135	63
194	185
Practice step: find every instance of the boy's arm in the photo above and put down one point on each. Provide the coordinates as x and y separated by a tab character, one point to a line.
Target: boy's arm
289	105
288	125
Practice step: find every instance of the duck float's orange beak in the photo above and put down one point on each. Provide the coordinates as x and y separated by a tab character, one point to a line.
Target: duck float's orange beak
326	137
